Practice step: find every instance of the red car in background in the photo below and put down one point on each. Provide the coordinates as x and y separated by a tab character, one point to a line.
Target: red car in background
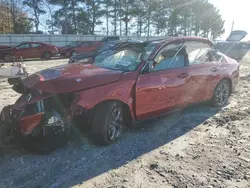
88	46
70	50
121	87
4	47
27	50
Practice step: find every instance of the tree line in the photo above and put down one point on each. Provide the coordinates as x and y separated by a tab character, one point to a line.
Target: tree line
112	17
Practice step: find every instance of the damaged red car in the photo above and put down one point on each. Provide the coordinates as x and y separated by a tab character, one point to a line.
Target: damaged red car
121	87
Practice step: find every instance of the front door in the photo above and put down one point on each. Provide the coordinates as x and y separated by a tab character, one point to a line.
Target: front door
161	88
23	51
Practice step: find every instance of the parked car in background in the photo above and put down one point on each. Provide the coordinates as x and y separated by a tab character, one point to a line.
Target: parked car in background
121	87
27	50
4	47
88	57
232	47
110	38
88	46
70	50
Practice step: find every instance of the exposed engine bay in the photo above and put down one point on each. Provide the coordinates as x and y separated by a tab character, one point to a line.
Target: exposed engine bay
35	120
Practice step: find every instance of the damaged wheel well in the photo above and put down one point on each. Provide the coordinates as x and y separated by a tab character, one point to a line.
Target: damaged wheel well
124	105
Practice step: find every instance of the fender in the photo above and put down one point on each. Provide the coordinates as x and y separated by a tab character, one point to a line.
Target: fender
123	91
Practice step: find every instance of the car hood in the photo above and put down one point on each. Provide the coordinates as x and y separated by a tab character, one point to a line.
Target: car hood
70	78
236	36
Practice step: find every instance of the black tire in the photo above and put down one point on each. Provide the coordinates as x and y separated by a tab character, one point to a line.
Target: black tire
221	93
8	58
47	55
101	123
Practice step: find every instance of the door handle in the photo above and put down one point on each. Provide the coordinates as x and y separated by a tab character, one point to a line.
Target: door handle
214	69
183	75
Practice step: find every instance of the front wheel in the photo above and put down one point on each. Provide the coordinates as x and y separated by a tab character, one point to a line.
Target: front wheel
221	94
108	123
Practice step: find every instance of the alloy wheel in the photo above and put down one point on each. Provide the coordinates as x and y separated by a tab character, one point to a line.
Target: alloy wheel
222	93
116	124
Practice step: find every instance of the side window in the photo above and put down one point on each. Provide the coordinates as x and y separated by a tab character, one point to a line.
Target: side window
36	45
23	46
197	52
171	56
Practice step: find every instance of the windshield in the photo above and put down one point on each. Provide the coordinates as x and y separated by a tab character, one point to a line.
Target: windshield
149	48
126	59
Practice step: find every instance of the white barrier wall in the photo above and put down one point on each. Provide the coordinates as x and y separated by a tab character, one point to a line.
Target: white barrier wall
57	40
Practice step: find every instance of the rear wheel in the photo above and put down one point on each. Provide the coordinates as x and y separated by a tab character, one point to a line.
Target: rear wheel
108	123
8	58
47	55
221	93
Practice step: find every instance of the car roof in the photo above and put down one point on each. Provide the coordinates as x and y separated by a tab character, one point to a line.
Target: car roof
180	38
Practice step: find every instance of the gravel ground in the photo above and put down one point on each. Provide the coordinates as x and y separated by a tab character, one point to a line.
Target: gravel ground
198	147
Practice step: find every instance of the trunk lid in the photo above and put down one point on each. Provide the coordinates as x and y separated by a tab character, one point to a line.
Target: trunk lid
236	36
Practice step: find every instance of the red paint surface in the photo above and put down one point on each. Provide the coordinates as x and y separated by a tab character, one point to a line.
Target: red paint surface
28	123
34	52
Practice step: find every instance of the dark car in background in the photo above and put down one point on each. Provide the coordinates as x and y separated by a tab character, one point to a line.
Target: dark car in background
27	50
88	46
110	38
232	47
88	56
4	47
70	50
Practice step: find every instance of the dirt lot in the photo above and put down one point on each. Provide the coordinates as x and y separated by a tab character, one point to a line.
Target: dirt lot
199	147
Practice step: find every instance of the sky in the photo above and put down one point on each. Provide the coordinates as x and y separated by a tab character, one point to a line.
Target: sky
237	11
231	10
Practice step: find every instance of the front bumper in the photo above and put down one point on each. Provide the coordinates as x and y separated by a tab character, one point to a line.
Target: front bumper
12	119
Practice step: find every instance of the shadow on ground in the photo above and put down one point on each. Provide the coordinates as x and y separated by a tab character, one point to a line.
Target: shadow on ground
82	160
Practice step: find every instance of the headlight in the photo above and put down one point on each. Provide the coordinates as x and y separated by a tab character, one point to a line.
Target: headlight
85	60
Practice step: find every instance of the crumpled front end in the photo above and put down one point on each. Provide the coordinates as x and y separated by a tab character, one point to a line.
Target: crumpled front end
36	116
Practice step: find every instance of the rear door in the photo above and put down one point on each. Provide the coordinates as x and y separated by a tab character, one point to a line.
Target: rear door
203	70
161	88
23	51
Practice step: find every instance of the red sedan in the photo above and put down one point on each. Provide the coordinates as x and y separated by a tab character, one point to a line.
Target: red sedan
28	50
121	87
